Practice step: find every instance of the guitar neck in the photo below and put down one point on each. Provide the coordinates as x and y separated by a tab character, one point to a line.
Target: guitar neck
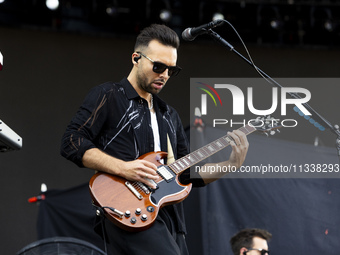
206	151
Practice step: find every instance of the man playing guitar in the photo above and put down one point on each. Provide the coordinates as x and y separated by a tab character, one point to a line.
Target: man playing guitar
118	123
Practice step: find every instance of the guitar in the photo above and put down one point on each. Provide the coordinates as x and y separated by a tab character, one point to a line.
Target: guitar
133	206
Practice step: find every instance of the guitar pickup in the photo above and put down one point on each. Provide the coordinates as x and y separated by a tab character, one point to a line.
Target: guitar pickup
165	173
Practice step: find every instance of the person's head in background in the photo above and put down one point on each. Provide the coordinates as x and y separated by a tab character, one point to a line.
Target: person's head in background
250	241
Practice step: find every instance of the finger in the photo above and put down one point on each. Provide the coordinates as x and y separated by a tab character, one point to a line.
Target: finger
147	180
149	164
241	136
146	167
145	175
235	139
149	176
147	172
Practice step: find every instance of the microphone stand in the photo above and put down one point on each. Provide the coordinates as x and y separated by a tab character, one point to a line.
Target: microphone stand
334	129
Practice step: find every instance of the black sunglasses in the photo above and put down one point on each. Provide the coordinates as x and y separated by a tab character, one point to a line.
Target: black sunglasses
263	252
159	67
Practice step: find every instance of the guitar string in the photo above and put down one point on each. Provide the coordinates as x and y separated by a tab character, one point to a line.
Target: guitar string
207	152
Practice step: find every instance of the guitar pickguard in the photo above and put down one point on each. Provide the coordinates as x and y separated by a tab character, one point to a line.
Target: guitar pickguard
165	189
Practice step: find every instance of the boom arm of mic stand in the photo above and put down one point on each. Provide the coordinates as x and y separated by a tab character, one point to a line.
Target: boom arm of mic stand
334	129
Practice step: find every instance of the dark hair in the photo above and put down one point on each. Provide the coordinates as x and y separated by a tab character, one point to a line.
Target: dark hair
161	33
244	238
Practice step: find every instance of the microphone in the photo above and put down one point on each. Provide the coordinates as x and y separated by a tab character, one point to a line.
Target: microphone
190	34
1	61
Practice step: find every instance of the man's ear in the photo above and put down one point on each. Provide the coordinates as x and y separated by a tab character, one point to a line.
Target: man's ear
136	57
243	251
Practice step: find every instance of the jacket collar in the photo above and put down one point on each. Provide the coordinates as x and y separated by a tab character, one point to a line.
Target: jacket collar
131	93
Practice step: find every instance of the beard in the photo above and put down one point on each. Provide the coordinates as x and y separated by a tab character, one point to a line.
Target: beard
146	85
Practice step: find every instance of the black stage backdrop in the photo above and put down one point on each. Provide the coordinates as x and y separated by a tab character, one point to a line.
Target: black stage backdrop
301	213
47	74
68	213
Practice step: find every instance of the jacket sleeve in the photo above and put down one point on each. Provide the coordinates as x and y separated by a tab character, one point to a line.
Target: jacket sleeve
85	126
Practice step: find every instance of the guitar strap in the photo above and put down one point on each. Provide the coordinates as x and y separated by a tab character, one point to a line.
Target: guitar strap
171	157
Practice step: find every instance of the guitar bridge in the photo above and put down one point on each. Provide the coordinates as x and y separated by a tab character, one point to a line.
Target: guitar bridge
133	190
166	173
143	187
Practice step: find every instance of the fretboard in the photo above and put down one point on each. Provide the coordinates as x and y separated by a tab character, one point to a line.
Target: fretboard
206	151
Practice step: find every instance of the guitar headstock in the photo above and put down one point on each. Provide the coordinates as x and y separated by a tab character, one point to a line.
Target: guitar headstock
266	124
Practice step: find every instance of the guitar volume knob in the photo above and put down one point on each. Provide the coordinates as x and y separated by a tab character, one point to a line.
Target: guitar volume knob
133	220
138	211
127	214
144	217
